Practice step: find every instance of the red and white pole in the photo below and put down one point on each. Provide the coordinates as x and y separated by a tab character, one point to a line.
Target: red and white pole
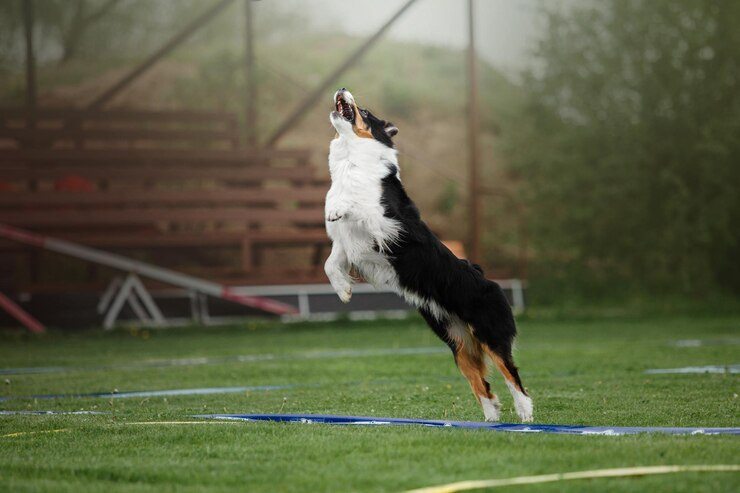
21	315
144	269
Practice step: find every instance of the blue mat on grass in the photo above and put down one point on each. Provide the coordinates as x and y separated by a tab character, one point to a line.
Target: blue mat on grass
520	428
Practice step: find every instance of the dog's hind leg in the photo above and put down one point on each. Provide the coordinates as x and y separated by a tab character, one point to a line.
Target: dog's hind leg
469	358
504	361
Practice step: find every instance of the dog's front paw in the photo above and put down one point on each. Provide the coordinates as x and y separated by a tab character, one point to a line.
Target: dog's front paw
345	295
334	215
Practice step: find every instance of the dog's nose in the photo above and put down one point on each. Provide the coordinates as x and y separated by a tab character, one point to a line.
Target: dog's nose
343	89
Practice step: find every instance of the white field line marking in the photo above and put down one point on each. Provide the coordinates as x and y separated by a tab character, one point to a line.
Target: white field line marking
154	393
21	433
550	478
246	358
696	369
706	342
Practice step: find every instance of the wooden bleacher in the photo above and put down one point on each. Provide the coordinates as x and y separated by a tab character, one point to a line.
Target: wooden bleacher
176	185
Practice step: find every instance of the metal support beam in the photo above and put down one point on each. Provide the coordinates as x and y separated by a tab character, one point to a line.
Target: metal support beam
250	77
28	21
474	206
131	290
173	43
318	92
21	315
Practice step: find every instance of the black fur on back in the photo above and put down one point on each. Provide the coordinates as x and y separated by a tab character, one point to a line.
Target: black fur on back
428	268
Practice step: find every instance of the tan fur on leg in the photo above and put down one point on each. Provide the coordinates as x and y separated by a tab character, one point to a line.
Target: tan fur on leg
470	360
522	402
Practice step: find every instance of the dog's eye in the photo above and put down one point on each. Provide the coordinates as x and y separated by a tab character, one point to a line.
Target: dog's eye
363	113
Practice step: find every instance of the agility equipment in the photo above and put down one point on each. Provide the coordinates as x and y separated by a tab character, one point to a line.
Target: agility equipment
130	289
21	315
519	428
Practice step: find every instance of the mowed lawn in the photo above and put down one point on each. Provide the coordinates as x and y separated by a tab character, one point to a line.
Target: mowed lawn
578	372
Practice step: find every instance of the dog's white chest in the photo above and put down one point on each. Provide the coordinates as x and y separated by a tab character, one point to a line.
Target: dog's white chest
355	212
356	220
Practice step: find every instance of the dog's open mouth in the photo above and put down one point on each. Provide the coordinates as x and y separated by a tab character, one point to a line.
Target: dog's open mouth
345	109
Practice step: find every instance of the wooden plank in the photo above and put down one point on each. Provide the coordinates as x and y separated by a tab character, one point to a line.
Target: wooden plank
195	136
112	115
246	255
312	236
143	216
170	174
281	195
144	156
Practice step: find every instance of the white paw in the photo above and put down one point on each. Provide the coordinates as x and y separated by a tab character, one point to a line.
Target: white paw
491	408
345	295
522	404
334	215
524	408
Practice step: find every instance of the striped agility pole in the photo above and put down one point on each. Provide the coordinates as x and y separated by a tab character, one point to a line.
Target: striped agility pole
150	271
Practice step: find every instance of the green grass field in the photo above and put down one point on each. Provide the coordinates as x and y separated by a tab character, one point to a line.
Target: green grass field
578	372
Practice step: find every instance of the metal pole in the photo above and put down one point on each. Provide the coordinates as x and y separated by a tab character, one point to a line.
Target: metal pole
250	77
173	43
21	315
309	100
473	158
28	21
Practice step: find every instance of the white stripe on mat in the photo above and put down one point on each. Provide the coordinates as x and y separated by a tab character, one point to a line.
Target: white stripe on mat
568	476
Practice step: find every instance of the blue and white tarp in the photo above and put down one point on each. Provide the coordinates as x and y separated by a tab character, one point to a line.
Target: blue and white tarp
518	428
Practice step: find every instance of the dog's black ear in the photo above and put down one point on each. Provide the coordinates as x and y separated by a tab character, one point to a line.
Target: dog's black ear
390	129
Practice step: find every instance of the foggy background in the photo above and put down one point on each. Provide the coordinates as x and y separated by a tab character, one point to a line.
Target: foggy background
507	31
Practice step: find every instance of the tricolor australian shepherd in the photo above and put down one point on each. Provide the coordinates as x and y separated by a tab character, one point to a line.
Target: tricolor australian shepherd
375	228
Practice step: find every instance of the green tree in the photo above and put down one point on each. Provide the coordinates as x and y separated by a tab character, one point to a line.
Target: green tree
629	146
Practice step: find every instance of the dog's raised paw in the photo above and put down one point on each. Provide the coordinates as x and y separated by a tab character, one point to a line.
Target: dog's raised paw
345	295
332	216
